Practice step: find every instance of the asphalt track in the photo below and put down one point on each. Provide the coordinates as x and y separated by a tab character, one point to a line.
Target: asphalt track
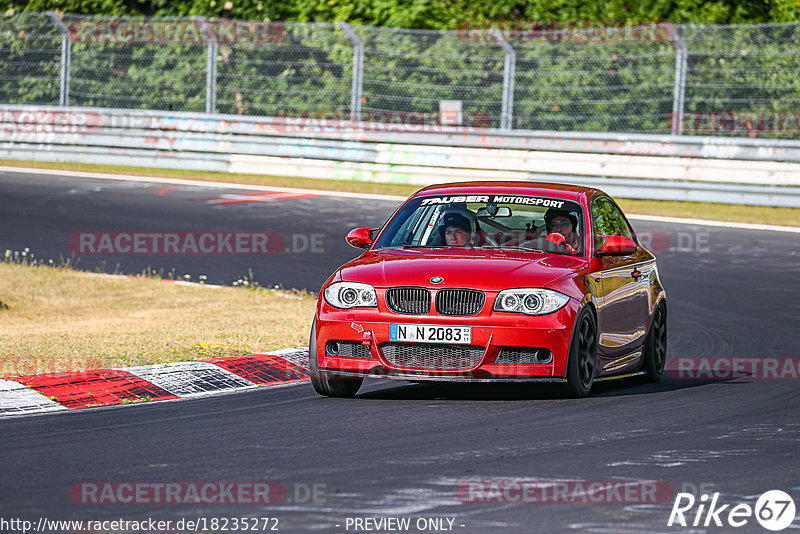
403	450
40	213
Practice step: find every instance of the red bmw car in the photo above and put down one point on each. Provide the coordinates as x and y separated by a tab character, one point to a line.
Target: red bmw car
493	282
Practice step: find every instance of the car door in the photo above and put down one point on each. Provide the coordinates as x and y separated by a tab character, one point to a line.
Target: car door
623	309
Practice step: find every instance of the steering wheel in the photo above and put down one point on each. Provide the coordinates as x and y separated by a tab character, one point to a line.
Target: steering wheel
490	240
501	239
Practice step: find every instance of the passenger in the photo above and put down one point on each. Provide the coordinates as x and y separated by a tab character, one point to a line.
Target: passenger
562	229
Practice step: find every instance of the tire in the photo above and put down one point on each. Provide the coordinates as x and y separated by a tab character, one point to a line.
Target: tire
326	386
582	359
655	347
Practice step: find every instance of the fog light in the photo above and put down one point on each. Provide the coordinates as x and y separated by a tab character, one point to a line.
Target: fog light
332	348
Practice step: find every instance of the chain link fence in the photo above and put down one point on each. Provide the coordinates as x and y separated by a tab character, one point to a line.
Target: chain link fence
412	71
752	73
703	80
30	59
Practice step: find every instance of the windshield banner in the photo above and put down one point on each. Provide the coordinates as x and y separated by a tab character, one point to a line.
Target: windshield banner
496	199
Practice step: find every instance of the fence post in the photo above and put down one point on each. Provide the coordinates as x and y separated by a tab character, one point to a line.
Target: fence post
509	73
212	49
211	77
358	70
66	53
679	91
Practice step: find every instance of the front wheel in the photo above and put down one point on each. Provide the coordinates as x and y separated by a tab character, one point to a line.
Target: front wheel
655	348
582	358
327	386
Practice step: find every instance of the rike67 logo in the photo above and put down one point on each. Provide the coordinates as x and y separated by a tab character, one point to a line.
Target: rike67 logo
774	510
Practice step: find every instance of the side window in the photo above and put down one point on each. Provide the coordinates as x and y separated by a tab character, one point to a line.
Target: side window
607	219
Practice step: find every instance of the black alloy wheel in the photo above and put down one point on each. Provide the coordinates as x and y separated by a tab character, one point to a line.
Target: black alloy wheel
582	355
655	350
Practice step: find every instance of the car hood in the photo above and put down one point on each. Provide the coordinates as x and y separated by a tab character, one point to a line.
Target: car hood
490	270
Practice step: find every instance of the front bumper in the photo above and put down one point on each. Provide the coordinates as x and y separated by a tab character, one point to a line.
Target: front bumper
492	331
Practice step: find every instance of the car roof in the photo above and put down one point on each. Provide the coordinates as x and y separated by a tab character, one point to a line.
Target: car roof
565	191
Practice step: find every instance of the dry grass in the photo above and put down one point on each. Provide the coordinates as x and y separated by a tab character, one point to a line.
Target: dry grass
694	210
715	212
63	320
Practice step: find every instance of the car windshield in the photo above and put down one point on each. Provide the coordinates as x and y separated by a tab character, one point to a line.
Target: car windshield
487	221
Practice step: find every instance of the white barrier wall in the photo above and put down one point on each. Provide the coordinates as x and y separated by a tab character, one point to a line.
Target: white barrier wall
752	171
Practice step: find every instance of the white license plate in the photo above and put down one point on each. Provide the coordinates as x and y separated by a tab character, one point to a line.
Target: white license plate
430	333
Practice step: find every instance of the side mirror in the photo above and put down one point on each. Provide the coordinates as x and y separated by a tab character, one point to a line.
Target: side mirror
360	237
616	245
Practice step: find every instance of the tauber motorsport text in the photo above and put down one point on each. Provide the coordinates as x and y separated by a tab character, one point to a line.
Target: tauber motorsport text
774	510
498	199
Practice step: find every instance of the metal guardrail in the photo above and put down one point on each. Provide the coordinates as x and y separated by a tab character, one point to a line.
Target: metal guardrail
663	167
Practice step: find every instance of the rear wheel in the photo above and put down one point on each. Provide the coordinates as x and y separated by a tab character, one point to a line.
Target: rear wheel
655	348
582	358
327	386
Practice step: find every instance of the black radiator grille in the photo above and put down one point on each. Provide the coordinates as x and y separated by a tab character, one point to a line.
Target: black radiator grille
459	301
409	300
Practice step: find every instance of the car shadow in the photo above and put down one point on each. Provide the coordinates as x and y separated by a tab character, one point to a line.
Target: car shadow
632	386
522	391
451	391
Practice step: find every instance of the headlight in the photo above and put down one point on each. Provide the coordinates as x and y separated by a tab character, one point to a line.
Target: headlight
530	301
347	295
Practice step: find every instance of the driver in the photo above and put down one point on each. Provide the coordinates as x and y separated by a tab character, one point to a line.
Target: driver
562	229
455	230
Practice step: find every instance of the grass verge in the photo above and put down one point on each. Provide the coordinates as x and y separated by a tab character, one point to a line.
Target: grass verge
54	320
694	210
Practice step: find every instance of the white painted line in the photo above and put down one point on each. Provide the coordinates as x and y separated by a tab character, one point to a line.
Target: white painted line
721	224
131	276
202	183
343	194
191	284
190	378
109	275
16	398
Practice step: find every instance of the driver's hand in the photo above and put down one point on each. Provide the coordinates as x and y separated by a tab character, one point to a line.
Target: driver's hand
558	239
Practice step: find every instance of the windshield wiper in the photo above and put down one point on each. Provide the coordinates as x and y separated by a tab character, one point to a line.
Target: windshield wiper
414	246
510	247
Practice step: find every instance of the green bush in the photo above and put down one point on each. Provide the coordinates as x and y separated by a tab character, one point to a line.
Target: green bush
614	86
